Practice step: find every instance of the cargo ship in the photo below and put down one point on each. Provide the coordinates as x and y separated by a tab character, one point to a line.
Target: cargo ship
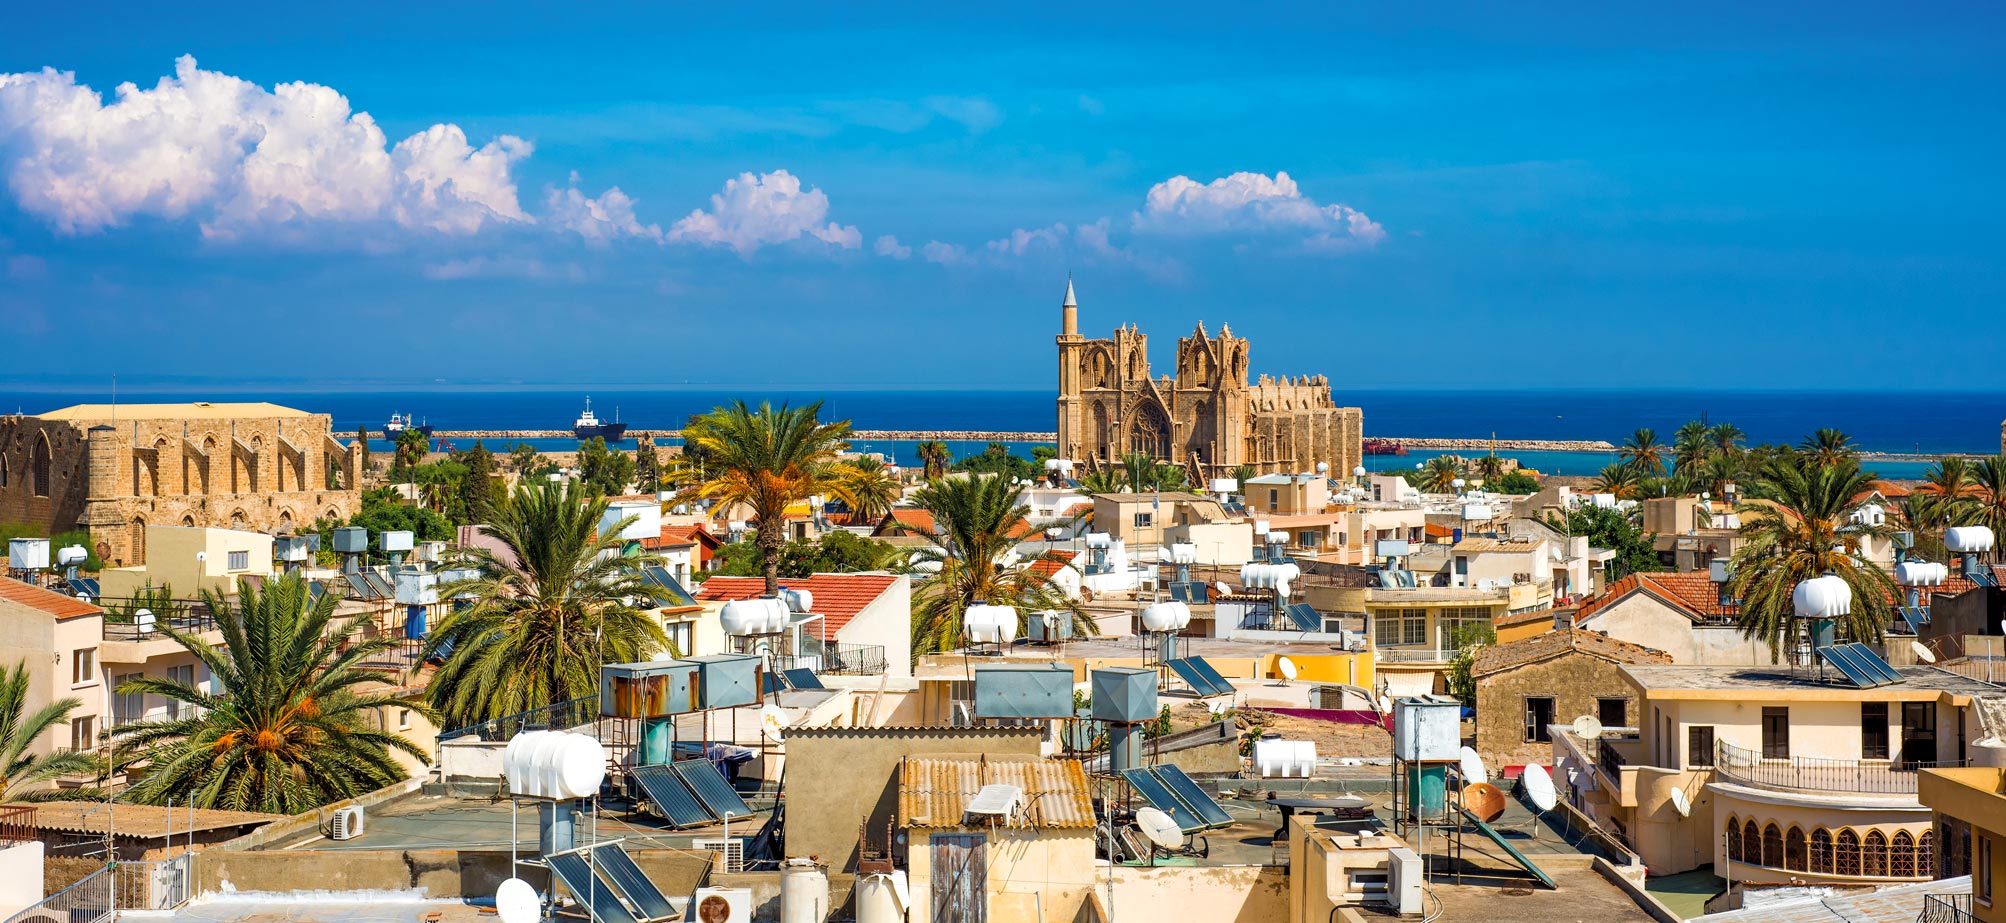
401	422
588	425
1384	447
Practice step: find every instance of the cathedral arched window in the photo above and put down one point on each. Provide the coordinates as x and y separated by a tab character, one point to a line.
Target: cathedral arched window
38	466
1846	854
1733	839
1901	857
1751	843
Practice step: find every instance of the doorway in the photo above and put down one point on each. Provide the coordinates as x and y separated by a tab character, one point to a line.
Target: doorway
960	879
1918	734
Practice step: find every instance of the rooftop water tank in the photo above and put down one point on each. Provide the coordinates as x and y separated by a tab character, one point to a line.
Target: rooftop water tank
1035	691
71	555
1124	694
987	624
797	600
1099	539
28	554
1826	597
557	765
647	516
761	616
397	540
351	540
1166	616
1428	728
1968	539
1920	573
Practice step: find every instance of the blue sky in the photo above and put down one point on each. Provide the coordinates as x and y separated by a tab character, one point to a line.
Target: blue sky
1793	196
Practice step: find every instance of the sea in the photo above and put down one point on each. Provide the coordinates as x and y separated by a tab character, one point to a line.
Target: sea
1922	422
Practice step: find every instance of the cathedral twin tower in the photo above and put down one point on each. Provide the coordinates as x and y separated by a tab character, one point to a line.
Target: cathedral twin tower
1207	418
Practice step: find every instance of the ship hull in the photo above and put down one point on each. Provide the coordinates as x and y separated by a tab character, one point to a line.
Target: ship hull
611	432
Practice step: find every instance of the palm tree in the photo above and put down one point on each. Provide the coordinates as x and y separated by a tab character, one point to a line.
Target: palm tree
1439	474
769	459
546	614
1619	481
1690	447
933	456
1726	438
1490	467
867	487
1245	473
1101	481
1139	471
293	726
1987	506
978	523
19	729
1170	476
1716	473
1643	453
1828	446
1804	531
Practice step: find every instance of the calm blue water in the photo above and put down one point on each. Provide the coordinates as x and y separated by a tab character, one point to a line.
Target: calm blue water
1893	422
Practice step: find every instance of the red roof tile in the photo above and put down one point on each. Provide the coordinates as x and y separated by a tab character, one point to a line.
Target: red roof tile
1051	562
50	601
678	536
838	597
913	518
1694	591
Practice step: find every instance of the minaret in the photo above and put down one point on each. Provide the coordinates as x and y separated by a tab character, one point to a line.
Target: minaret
1069	342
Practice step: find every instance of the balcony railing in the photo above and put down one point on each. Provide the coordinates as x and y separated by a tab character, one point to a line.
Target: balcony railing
17	823
1946	908
1817	774
1413	655
191	616
558	717
1610	760
846	659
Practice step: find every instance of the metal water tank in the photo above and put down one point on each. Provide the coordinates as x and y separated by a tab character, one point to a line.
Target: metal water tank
804	891
881	897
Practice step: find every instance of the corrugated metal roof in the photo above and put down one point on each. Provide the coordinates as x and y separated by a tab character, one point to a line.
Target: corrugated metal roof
935	792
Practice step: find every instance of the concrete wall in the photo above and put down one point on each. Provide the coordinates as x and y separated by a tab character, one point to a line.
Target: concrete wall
20	876
1036	876
48	646
842	776
1214	894
887	622
1644	619
1576	682
170	562
440	873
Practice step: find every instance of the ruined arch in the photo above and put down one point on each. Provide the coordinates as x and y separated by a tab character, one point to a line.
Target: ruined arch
239	520
135	541
42	457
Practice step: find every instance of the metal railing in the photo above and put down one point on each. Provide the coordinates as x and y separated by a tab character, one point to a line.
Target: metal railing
17	823
99	896
191	616
1413	654
1817	774
1946	908
561	716
1609	760
846	659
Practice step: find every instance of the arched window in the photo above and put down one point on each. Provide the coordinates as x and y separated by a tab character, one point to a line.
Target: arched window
1793	850
3	470
1874	855
1772	846
38	466
239	521
1821	851
188	520
136	540
1925	854
1751	843
1846	855
1733	839
1901	858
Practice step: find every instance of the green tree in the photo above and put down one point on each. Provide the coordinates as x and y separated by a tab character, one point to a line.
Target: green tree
978	522
1468	640
20	768
1489	467
1512	482
1987	505
647	466
1245	473
1804	531
1439	474
933	458
602	470
1828	446
767	459
1101	481
867	487
477	486
1690	447
1643	453
1726	439
1620	481
1616	531
546	615
411	448
290	728
524	458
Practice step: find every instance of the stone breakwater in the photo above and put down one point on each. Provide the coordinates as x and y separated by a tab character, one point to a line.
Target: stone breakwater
969	435
1503	445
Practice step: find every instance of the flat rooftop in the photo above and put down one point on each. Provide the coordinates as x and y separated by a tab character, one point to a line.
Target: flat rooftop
421	821
1780	678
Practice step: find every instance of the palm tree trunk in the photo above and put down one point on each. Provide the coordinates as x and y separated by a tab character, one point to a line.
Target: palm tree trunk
772	535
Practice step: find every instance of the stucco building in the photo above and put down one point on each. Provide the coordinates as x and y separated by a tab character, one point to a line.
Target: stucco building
1208	417
117	469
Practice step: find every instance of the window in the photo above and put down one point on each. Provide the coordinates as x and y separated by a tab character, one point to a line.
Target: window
1613	713
1733	839
1751	843
83	666
185	675
127	706
1145	520
1775	733
681	637
1821	851
1538	714
1793	850
240	560
403	719
84	733
38	467
1699	746
1901	860
1873	730
1846	855
1274	500
1460	626
1400	626
1874	855
1981	868
1772	846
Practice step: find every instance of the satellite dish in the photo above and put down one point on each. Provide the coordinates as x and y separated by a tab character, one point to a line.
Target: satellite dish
1681	803
772	720
1539	787
1484	800
1587	727
1287	668
1385	705
1922	652
517	902
1474	770
1223	588
1160	828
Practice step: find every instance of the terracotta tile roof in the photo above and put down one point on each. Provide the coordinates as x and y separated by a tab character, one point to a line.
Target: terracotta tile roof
1051	562
139	820
910	517
1526	618
1691	591
1481	545
1434	531
935	792
1499	657
838	597
50	601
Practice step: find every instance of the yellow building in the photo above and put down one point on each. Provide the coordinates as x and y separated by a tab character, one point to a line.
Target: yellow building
1787	778
191	559
1970	808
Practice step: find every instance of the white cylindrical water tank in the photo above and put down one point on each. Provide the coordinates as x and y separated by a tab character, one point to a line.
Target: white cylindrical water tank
1278	538
554	764
761	616
1920	573
71	554
1166	616
1968	539
1989	752
1225	485
881	898
1826	597
987	624
1183	553
804	891
1605	501
1099	539
798	600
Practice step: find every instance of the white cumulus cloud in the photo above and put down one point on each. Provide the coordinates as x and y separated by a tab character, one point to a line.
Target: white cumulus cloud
888	245
606	218
943	253
756	210
1253	202
237	157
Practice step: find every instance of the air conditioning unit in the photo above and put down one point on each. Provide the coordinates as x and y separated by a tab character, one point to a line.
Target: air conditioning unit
721	905
732	853
1403	880
346	824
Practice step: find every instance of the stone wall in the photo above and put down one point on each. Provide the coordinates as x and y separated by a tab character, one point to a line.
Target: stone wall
1575	681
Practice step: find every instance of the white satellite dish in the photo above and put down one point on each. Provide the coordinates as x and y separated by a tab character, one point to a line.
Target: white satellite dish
1681	803
1287	668
1223	588
1160	828
1587	727
1539	787
772	720
1922	652
1385	704
1473	767
517	902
